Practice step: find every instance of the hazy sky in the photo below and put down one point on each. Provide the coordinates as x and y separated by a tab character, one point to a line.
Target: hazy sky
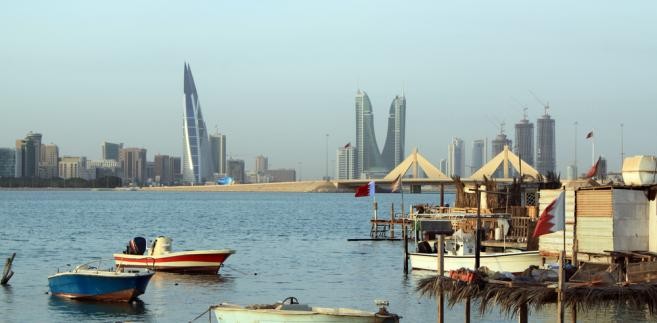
276	76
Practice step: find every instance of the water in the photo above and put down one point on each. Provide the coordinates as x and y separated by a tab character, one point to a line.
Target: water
287	245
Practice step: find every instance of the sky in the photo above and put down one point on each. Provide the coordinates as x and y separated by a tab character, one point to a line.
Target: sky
277	76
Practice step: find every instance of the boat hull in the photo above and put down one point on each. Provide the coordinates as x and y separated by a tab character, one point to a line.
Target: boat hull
508	262
187	262
230	315
109	286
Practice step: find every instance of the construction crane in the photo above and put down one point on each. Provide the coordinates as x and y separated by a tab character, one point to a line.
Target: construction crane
546	106
523	106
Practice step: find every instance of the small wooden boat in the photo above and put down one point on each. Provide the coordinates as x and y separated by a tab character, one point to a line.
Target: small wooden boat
87	282
290	311
159	257
510	261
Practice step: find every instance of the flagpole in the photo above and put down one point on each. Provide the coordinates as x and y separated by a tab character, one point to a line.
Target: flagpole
562	283
593	147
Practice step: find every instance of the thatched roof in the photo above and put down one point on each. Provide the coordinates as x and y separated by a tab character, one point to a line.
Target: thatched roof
510	297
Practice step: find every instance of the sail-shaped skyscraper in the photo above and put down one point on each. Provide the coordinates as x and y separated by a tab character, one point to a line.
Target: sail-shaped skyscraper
368	156
393	150
197	159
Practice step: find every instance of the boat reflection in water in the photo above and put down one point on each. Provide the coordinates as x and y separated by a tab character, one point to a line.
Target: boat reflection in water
69	308
164	279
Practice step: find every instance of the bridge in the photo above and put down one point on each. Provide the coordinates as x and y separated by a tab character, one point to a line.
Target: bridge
423	173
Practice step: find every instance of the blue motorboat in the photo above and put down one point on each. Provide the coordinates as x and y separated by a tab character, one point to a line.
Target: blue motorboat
89	282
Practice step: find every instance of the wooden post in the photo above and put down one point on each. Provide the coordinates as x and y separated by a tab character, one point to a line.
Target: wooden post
6	272
477	229
523	314
573	313
441	269
561	289
442	194
392	221
467	310
405	238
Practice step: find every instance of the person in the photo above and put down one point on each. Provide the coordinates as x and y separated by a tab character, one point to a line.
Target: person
424	246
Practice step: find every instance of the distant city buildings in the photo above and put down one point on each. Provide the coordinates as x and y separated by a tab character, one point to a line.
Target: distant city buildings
443	166
497	146
110	150
74	167
104	167
546	152
478	157
7	162
218	152
601	171
282	175
368	155
197	159
133	164
163	170
48	161
236	170
525	140
176	165
28	155
456	158
261	164
346	165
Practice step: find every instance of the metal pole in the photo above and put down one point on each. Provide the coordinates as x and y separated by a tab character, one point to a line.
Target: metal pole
442	194
327	173
441	269
478	228
622	148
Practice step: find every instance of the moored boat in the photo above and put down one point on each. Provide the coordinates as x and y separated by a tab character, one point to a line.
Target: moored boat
290	311
87	282
160	257
511	261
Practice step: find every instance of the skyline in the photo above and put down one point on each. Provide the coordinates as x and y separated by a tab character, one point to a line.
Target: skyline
281	88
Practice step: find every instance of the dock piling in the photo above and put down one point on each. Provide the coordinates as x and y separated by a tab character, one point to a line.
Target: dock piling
441	268
6	272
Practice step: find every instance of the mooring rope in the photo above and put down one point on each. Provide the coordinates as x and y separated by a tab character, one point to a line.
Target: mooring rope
206	311
239	271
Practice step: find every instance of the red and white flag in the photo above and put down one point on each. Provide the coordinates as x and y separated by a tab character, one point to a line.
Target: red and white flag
365	190
553	218
594	169
396	185
589	135
347	146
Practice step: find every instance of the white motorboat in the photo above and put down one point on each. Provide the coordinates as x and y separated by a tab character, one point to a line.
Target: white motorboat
290	311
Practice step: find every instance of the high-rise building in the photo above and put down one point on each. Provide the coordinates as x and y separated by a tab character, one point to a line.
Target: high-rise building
236	170
497	146
7	162
150	171
48	161
524	147
163	172
393	150
478	155
218	151
133	163
601	171
110	150
456	158
28	154
261	164
443	166
73	167
104	167
546	151
197	158
367	150
176	165
346	163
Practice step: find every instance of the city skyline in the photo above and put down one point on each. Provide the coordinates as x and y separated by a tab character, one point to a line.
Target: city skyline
456	85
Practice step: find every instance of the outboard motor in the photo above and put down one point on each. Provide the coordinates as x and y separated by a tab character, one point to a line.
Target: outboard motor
136	246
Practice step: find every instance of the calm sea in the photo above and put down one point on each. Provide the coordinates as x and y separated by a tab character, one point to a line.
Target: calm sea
287	245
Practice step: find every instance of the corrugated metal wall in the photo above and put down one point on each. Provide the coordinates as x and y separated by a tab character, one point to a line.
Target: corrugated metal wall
630	220
552	244
594	203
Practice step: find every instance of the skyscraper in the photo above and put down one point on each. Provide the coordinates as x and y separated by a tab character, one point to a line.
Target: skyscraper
525	140
176	166
28	154
478	155
443	166
133	163
110	150
368	155
346	163
197	158
218	151
456	158
546	153
393	150
48	161
73	167
261	164
163	172
497	146
7	162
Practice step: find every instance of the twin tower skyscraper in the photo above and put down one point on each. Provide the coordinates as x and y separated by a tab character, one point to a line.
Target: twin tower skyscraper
370	162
